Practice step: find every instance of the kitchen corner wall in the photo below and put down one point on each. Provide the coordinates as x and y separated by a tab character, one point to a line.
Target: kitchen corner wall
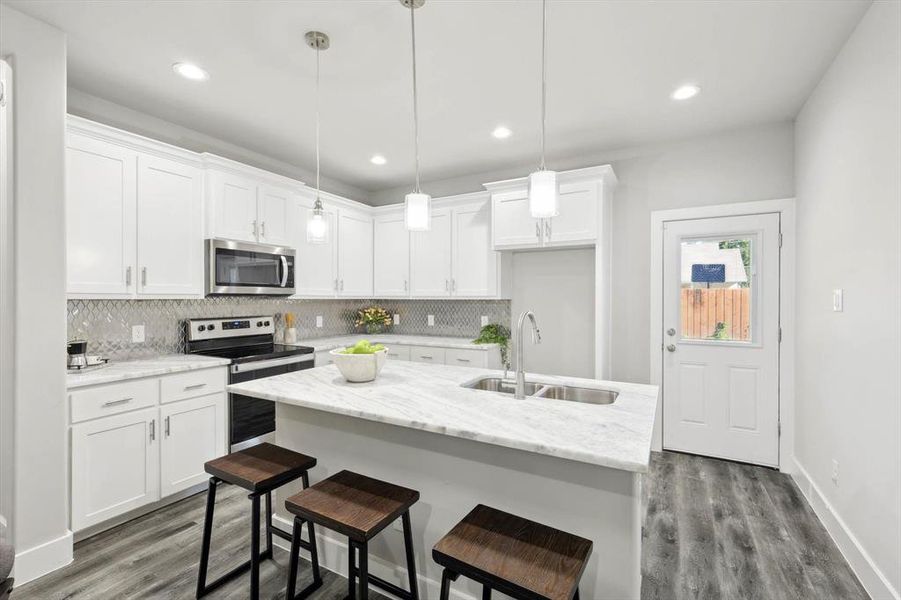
106	324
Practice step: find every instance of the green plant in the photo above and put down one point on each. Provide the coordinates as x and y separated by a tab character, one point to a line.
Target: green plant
363	347
373	318
495	333
720	332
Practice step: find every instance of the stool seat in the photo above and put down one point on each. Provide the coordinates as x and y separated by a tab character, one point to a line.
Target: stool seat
261	467
519	557
352	504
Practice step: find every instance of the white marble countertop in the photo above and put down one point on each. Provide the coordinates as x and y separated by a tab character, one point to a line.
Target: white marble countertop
430	398
330	343
145	367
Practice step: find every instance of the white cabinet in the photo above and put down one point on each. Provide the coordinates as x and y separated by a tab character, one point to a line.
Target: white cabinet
391	256
474	261
233	205
431	257
316	265
427	354
193	432
513	225
354	254
169	231
577	222
275	217
115	466
100	217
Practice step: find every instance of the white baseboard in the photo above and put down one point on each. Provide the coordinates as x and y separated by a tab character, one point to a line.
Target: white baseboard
872	578
42	559
333	556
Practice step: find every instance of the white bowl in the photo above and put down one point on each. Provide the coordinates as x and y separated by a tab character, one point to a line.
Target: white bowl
359	368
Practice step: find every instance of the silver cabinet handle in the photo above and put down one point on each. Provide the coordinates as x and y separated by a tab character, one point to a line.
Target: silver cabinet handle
254	228
263	229
464	360
547	229
152	430
167	426
342	285
143	276
426	356
446	285
336	285
453	285
538	229
671	348
115	402
196	386
405	285
128	275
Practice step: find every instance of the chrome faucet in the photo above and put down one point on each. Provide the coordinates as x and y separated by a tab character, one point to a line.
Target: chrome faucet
520	391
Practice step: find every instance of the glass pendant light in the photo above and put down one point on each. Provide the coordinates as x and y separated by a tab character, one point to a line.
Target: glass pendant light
317	225
417	205
543	192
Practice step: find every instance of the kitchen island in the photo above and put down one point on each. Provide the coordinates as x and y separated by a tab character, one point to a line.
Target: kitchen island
572	465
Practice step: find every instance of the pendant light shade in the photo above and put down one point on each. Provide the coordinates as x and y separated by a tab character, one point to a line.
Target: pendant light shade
543	191
317	224
417	205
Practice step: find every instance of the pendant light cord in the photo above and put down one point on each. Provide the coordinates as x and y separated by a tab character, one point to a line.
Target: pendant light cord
317	121
415	101
543	83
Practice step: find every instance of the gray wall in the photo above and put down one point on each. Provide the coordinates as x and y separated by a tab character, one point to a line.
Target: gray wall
849	210
558	285
37	53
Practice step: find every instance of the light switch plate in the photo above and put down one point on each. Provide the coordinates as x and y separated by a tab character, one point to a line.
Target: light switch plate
431	320
838	300
484	320
137	334
319	321
397	319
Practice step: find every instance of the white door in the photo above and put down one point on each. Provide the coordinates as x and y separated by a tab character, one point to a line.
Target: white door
100	217
315	265
115	466
276	224
392	257
354	254
474	260
513	224
170	229
721	337
431	257
193	432
234	201
577	222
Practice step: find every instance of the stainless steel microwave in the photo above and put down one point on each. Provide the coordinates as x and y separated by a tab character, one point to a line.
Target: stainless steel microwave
246	269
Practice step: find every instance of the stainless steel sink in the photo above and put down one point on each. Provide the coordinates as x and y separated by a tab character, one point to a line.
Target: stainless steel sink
543	390
578	394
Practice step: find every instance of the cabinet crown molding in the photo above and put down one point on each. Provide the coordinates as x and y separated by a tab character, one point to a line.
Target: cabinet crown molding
238	168
601	172
132	141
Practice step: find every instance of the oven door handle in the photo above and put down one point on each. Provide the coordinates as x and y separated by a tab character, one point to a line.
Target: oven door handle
274	362
284	271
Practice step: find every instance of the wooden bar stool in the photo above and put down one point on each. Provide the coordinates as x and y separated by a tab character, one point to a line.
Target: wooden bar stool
358	507
259	470
515	556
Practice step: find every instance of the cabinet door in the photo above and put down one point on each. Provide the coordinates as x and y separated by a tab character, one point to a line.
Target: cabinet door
170	228
100	217
512	224
431	257
577	222
316	265
474	260
392	257
354	254
234	205
276	216
193	432
115	466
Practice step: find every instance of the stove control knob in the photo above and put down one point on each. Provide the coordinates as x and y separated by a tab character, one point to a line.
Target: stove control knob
201	328
211	327
259	323
267	323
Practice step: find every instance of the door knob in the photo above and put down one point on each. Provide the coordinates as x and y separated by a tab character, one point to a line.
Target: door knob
671	332
671	348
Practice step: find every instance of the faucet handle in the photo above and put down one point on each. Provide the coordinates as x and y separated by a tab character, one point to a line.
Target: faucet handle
536	336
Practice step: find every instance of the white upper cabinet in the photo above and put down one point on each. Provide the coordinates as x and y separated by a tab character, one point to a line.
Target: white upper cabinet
170	228
233	203
275	218
577	222
355	231
475	263
391	268
316	265
513	226
100	217
431	257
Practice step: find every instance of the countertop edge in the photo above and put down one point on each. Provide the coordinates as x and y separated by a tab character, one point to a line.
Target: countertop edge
102	377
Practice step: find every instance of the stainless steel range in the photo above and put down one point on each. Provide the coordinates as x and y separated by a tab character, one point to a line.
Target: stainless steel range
250	345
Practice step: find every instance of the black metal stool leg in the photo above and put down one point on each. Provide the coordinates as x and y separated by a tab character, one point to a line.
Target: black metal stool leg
486	592
296	545
268	553
576	596
364	571
255	547
314	553
207	533
446	578
292	561
351	571
411	558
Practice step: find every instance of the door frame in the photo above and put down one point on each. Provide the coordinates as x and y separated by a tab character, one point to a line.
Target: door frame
785	207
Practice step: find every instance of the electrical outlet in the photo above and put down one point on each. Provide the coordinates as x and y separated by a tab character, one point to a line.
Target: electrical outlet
397	319
319	321
484	320
834	471
431	320
838	300
137	334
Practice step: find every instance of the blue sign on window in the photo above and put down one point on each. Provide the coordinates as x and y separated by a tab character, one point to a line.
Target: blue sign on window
708	273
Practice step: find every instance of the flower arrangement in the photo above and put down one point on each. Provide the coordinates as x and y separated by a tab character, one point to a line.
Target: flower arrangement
373	319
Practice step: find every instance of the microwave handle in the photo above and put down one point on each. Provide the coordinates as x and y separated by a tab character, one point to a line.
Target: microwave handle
284	271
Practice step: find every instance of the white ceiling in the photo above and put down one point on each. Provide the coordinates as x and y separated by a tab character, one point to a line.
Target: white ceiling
611	67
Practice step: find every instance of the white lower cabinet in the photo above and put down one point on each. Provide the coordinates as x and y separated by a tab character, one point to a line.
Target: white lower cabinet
427	354
193	432
115	466
398	352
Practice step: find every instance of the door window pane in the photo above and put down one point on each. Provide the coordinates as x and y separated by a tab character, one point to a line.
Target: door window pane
716	293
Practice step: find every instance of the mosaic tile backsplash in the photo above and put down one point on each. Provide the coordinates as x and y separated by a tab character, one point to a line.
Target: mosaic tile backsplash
106	324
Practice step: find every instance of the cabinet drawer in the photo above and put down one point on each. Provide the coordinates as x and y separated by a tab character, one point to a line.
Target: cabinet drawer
192	384
399	352
113	398
323	358
427	355
466	358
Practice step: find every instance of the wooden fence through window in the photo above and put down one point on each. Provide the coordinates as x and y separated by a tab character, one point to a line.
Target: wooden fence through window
702	309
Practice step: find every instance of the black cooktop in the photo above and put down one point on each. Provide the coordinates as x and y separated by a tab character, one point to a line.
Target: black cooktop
250	353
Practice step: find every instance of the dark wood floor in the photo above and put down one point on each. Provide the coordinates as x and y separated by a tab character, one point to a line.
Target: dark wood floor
714	529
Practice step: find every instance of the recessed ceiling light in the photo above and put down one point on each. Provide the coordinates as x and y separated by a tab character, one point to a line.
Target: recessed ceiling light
378	159
190	71
684	92
501	132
